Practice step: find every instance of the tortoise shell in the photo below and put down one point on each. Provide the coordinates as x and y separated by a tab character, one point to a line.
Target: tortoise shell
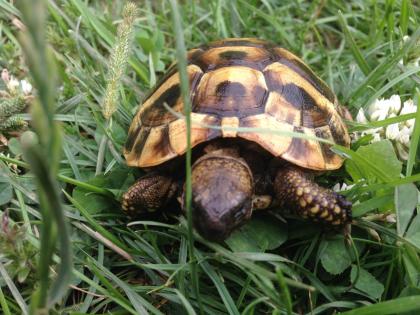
241	83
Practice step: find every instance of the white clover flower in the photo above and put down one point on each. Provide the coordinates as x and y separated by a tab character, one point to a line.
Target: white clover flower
410	127
402	151
379	114
394	104
399	133
392	131
405	38
404	136
12	85
408	108
26	87
375	106
336	187
376	137
342	187
5	75
381	108
361	117
372	131
391	218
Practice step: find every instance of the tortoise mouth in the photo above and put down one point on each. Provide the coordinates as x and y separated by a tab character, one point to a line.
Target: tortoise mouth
217	225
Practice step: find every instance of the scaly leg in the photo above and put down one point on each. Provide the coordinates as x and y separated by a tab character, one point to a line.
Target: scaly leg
148	194
297	192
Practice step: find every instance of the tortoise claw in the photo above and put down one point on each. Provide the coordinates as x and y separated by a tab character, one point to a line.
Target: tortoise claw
345	205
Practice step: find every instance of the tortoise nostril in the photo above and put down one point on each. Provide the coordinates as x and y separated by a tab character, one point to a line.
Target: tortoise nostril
240	213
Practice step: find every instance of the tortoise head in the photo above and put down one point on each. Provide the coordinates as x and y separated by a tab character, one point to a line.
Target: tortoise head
222	190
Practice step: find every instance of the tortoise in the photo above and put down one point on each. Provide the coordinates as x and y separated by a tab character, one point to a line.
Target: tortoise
236	85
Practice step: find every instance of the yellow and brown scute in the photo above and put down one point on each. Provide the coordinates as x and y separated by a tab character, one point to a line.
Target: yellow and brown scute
234	83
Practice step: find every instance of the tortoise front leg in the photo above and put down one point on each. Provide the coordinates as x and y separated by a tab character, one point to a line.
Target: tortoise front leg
297	192
148	194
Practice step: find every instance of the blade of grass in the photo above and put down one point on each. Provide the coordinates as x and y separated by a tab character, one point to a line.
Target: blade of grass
110	289
106	35
188	307
89	297
97	236
114	297
245	260
251	129
371	204
390	184
352	44
396	306
14	290
390	84
72	161
355	126
274	21
387	231
182	259
182	68
101	154
63	178
9	8
53	218
390	19
3	303
23	210
415	138
138	302
384	67
358	158
250	308
404	16
244	290
94	21
221	288
287	300
44	156
105	233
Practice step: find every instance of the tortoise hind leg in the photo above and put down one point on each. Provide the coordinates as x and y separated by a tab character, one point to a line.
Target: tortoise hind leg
297	192
148	194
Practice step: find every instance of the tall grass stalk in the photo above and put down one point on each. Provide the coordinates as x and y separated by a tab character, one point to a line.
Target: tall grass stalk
42	151
3	304
116	68
182	68
118	59
414	145
13	289
63	178
363	65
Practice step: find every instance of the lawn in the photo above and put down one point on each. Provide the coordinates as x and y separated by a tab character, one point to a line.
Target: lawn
74	75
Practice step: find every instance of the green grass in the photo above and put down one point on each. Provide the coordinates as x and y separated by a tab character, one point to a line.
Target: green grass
159	264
